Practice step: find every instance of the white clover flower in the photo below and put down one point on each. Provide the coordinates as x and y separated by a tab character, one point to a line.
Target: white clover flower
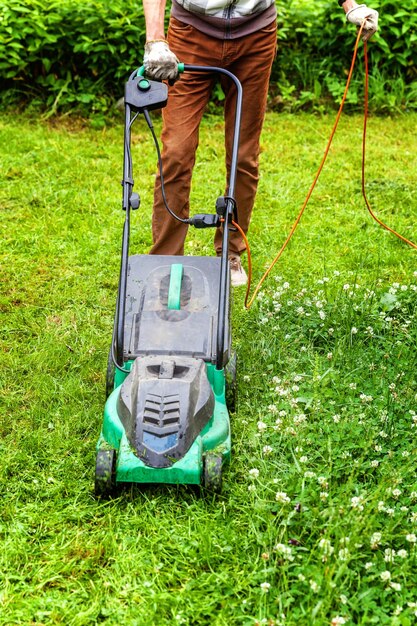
389	555
395	586
323	495
272	408
375	540
413	495
303	459
356	503
326	547
322	480
411	538
368	565
254	472
346	286
343	599
338	620
353	330
309	475
399	609
344	554
300	419
385	576
330	356
265	587
405	453
262	426
284	551
374	463
252	487
314	586
390	512
336	418
402	554
282	497
413	518
267	450
396	493
378	448
322	314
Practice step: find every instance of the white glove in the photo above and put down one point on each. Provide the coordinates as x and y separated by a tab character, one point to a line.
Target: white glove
360	13
159	62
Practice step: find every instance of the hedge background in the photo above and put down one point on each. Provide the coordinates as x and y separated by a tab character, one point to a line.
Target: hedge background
64	54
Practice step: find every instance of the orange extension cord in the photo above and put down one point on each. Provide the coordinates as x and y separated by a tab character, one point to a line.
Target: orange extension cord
249	302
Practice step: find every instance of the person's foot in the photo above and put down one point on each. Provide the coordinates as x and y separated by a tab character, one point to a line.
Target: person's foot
237	273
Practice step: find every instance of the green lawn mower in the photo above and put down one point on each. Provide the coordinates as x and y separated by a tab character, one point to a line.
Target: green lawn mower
171	375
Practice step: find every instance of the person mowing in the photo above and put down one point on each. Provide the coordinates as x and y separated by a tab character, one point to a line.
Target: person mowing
237	35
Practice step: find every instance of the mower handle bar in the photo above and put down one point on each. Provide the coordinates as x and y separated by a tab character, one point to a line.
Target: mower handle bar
230	204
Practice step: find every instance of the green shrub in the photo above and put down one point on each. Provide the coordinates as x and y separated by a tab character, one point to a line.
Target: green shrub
64	54
73	52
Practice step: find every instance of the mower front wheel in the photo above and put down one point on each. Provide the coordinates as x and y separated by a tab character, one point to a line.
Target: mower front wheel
212	472
105	479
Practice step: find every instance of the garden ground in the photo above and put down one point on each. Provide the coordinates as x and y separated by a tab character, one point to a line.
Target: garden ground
317	523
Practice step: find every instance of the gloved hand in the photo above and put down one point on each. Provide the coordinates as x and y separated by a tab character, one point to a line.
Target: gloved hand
159	62
360	13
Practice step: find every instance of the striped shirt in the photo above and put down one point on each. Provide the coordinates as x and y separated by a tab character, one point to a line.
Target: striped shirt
225	19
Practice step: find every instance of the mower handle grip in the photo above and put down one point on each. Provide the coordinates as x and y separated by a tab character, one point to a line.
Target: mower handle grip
141	70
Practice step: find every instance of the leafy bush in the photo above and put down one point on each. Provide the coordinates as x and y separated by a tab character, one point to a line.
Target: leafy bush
63	54
69	52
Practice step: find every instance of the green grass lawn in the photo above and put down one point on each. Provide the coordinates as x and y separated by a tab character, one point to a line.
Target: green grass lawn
317	523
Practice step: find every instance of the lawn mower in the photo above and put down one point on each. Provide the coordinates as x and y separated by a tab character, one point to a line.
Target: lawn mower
171	374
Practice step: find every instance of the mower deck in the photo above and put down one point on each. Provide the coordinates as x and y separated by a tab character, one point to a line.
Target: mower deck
166	419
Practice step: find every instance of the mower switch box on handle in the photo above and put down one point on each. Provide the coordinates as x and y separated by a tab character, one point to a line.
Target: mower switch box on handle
171	375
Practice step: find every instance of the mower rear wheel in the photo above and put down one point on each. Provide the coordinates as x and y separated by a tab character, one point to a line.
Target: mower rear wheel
212	472
105	479
231	385
110	373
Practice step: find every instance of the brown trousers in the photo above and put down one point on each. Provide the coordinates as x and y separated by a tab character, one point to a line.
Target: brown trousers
250	59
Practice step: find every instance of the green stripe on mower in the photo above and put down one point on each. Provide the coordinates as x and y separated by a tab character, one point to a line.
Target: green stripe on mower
175	282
